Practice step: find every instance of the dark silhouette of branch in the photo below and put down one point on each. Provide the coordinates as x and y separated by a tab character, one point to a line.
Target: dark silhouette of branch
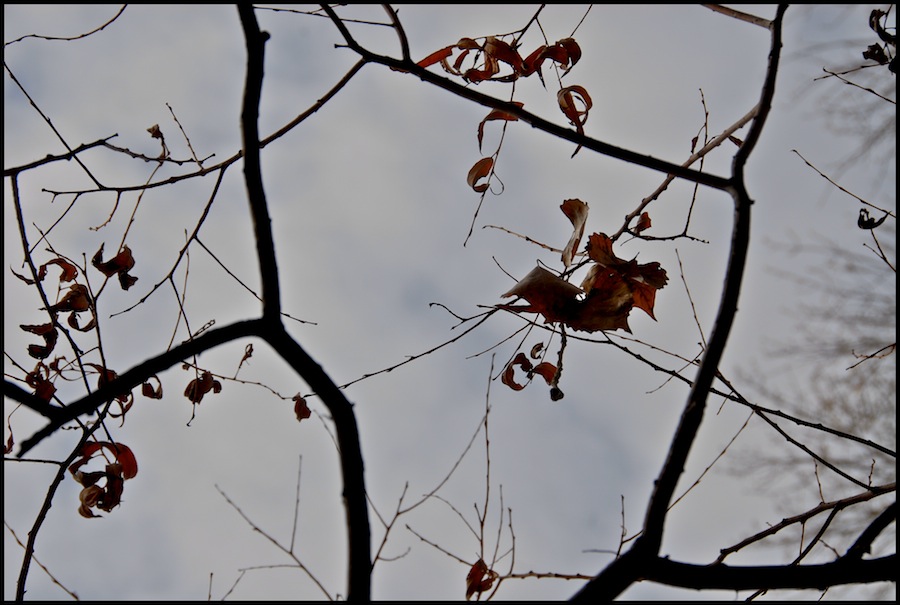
726	577
256	195
863	544
360	565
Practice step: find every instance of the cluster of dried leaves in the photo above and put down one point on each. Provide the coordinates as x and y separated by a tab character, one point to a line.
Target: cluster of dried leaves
107	496
610	290
488	60
608	293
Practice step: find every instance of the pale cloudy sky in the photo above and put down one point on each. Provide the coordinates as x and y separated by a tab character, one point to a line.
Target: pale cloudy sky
370	209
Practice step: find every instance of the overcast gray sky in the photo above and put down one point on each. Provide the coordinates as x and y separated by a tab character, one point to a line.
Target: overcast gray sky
370	210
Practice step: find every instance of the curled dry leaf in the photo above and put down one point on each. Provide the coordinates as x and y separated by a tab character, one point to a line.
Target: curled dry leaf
643	223
76	300
573	50
48	332
866	222
545	370
565	52
151	392
300	408
116	473
508	377
199	387
119	265
569	99
39	380
248	353
73	322
502	51
436	57
69	271
479	579
497	114
547	294
480	170
577	212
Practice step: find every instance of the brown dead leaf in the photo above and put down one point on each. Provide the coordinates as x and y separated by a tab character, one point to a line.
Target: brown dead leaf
108	496
502	51
508	377
48	332
39	380
151	392
547	294
436	57
497	114
480	170
199	387
643	223
575	103
300	408
69	271
119	265
577	212
76	299
479	579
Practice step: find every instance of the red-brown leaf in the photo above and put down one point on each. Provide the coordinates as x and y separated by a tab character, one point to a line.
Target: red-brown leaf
122	453
548	294
467	44
577	212
608	303
480	170
300	408
148	390
119	265
572	50
48	332
479	579
502	51
497	114
643	223
76	299
69	271
508	377
123	261
436	56
199	387
546	370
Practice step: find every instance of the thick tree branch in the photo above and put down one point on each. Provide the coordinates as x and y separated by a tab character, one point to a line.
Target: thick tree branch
818	577
863	544
359	565
259	209
360	562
